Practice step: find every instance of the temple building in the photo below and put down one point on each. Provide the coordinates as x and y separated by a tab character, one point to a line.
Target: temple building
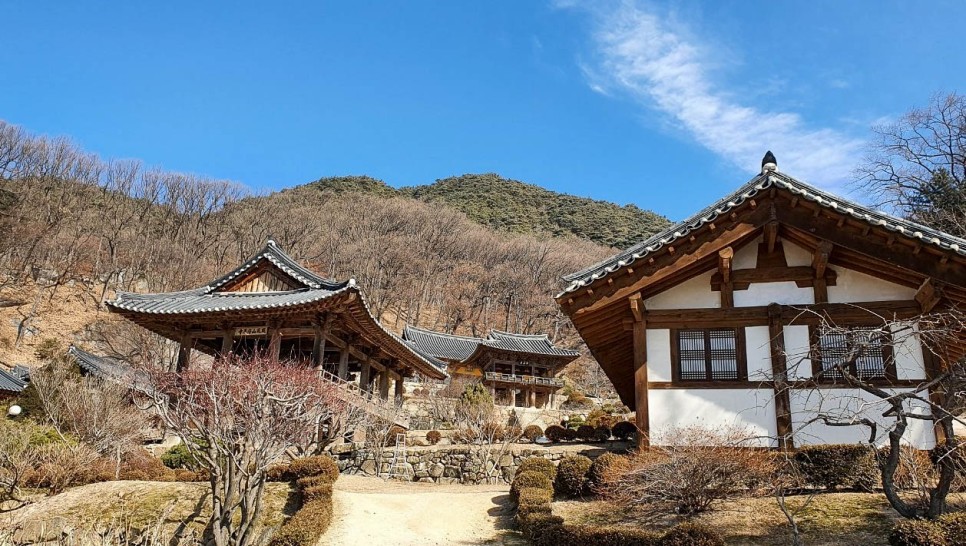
273	305
743	315
519	369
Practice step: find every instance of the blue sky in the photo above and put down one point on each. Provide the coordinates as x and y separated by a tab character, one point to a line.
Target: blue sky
668	106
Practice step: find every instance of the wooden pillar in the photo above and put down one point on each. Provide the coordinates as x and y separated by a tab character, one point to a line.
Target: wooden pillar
779	371
819	263
364	376
321	328
344	362
934	367
400	389
384	384
184	352
227	341
274	341
533	398
639	327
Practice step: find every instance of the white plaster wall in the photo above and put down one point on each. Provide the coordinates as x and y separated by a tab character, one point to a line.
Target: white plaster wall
758	351
797	352
907	351
658	355
694	293
746	257
795	255
844	404
763	293
750	409
852	286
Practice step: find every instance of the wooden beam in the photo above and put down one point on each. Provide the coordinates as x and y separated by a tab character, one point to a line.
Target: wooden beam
929	294
857	313
820	260
771	235
779	370
725	257
801	275
637	306
642	414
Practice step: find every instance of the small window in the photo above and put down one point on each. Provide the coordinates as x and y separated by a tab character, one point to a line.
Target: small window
715	354
869	349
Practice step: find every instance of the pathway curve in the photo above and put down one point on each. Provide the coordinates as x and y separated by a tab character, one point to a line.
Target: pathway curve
375	511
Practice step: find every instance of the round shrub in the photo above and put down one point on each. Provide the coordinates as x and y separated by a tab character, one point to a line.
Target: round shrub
575	421
555	433
539	464
433	437
306	526
917	533
532	432
602	433
624	430
534	500
524	480
586	432
605	469
178	456
391	435
692	534
569	434
572	476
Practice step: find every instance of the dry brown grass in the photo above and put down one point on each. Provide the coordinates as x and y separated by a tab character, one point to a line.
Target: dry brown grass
830	519
183	508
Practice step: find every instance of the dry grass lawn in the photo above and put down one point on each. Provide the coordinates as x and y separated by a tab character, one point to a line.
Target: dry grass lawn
177	508
830	519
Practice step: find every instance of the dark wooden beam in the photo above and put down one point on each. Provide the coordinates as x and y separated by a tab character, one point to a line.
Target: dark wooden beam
779	370
929	294
725	257
639	335
820	260
803	276
858	313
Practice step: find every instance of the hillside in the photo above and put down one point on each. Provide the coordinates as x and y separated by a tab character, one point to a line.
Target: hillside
516	207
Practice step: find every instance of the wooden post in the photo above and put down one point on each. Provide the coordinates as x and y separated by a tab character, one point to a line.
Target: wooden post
364	376
274	341
184	352
227	341
643	421
725	257
400	390
384	384
934	367
321	328
819	263
344	362
533	398
779	370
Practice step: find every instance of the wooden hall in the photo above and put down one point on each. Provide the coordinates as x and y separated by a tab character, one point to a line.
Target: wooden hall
272	304
519	369
723	319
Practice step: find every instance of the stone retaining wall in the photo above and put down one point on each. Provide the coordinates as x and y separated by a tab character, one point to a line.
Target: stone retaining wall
455	464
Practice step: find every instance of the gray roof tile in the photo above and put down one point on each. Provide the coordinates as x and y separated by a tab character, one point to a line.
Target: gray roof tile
10	382
460	348
756	185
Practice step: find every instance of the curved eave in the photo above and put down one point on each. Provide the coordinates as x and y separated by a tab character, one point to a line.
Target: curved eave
482	349
135	303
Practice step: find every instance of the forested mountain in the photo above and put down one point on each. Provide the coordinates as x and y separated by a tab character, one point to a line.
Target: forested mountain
517	207
77	229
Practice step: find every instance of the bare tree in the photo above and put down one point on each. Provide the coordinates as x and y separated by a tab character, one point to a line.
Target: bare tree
917	165
236	418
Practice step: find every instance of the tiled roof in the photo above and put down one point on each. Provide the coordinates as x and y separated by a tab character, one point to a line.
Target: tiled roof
11	382
461	348
207	300
109	369
756	185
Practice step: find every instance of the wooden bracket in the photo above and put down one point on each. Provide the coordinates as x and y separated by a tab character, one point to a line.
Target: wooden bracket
637	306
929	294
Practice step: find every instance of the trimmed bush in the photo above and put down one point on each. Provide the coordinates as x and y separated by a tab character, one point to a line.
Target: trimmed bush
532	432
534	500
571	477
539	464
586	432
605	468
317	492
569	434
433	437
390	439
306	526
178	457
917	533
306	467
524	480
602	433
692	534
832	466
624	430
580	535
954	525
555	433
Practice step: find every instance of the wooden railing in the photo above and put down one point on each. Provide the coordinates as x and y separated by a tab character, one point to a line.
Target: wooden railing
524	379
370	402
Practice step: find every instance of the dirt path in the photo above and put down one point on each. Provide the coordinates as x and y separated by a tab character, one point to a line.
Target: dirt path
375	511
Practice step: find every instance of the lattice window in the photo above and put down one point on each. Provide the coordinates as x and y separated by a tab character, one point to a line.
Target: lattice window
709	355
867	349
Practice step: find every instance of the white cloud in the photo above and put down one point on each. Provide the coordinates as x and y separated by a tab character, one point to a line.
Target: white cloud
657	62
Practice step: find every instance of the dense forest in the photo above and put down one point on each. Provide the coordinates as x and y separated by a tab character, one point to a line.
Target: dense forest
517	207
73	222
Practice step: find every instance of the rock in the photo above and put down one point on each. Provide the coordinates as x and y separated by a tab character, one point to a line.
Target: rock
436	470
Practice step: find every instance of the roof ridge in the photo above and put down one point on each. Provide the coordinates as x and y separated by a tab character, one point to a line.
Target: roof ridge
514	334
442	334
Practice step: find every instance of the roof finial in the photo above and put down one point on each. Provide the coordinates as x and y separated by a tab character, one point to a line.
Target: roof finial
769	163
